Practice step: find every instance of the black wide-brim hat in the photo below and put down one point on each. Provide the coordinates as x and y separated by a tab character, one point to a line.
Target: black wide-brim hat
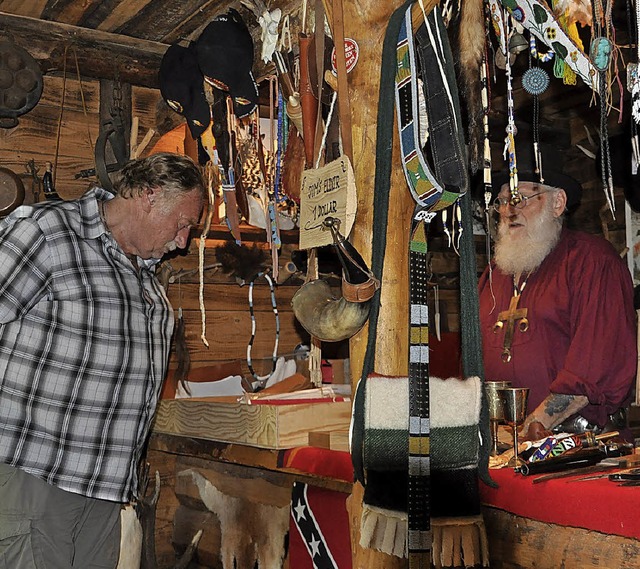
182	87
553	178
225	55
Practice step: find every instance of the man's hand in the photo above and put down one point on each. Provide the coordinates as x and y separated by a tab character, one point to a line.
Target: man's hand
535	431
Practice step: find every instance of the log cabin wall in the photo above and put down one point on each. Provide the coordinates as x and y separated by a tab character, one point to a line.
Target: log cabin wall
36	135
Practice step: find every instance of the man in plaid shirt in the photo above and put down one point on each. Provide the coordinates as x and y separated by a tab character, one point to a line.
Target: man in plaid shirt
85	331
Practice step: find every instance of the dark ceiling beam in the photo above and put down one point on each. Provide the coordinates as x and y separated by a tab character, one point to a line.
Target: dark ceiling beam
99	53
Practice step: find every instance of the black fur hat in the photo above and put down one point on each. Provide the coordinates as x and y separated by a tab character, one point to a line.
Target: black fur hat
225	56
181	85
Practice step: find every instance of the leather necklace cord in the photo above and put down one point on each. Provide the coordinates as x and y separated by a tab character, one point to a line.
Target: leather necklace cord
62	101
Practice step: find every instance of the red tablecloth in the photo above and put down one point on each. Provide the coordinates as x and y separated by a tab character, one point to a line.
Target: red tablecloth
318	461
598	505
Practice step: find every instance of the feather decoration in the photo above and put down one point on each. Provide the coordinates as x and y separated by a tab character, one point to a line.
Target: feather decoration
241	261
575	11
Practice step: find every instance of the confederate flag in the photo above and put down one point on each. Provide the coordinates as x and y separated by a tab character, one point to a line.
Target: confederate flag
319	529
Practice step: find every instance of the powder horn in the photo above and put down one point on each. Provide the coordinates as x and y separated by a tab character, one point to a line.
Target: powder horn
332	319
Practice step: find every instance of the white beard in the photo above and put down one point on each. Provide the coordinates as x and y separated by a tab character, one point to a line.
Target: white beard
524	253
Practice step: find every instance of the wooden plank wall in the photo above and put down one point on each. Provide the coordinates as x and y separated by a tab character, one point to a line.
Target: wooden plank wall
227	317
36	135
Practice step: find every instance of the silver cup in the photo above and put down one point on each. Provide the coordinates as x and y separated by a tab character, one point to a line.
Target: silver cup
514	402
496	410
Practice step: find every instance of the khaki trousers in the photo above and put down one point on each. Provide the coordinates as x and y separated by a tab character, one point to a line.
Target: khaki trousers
44	527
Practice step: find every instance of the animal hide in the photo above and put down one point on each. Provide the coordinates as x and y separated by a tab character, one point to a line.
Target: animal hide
130	539
575	11
249	532
471	47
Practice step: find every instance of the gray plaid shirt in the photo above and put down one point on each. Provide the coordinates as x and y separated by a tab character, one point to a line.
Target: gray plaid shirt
84	346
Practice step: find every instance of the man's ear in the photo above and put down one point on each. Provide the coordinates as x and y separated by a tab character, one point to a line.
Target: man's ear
149	198
559	203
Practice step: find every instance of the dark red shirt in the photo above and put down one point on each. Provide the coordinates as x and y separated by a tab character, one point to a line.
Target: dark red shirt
582	327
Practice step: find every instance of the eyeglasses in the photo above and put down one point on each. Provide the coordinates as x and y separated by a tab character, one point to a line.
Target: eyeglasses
502	202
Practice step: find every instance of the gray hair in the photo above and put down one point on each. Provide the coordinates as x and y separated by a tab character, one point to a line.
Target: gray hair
174	174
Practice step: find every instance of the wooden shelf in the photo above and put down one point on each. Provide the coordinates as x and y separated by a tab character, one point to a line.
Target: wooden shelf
248	233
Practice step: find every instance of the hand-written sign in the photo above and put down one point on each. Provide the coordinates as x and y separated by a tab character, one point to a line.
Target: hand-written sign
329	191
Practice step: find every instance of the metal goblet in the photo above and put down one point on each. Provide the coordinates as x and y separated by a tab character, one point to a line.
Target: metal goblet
496	410
514	401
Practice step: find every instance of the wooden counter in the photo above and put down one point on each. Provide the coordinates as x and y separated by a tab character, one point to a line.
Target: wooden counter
595	522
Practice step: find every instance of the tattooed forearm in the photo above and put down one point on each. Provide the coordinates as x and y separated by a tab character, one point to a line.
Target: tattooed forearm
556	408
555	404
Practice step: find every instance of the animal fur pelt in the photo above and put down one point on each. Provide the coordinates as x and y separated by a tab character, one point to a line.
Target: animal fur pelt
240	261
471	47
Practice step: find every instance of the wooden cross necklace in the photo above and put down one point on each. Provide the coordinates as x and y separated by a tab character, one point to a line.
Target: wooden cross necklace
509	318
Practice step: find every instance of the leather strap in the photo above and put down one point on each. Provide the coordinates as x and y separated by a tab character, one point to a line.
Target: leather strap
344	106
419	487
359	292
308	100
319	45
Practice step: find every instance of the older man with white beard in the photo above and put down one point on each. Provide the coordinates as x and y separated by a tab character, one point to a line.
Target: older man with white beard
556	311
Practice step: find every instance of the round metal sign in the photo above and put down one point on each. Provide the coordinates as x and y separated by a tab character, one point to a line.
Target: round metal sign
351	53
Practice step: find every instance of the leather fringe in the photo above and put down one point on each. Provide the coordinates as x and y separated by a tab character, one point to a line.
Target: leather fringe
457	542
384	530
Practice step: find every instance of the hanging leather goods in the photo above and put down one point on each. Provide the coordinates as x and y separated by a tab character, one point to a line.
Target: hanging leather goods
293	165
332	319
231	207
229	184
235	163
308	101
274	234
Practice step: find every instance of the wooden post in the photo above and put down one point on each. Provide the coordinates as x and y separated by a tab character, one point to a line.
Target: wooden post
366	23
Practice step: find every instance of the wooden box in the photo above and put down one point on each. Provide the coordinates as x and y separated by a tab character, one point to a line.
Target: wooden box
272	426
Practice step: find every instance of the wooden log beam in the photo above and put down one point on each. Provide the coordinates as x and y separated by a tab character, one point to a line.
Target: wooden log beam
99	53
518	542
